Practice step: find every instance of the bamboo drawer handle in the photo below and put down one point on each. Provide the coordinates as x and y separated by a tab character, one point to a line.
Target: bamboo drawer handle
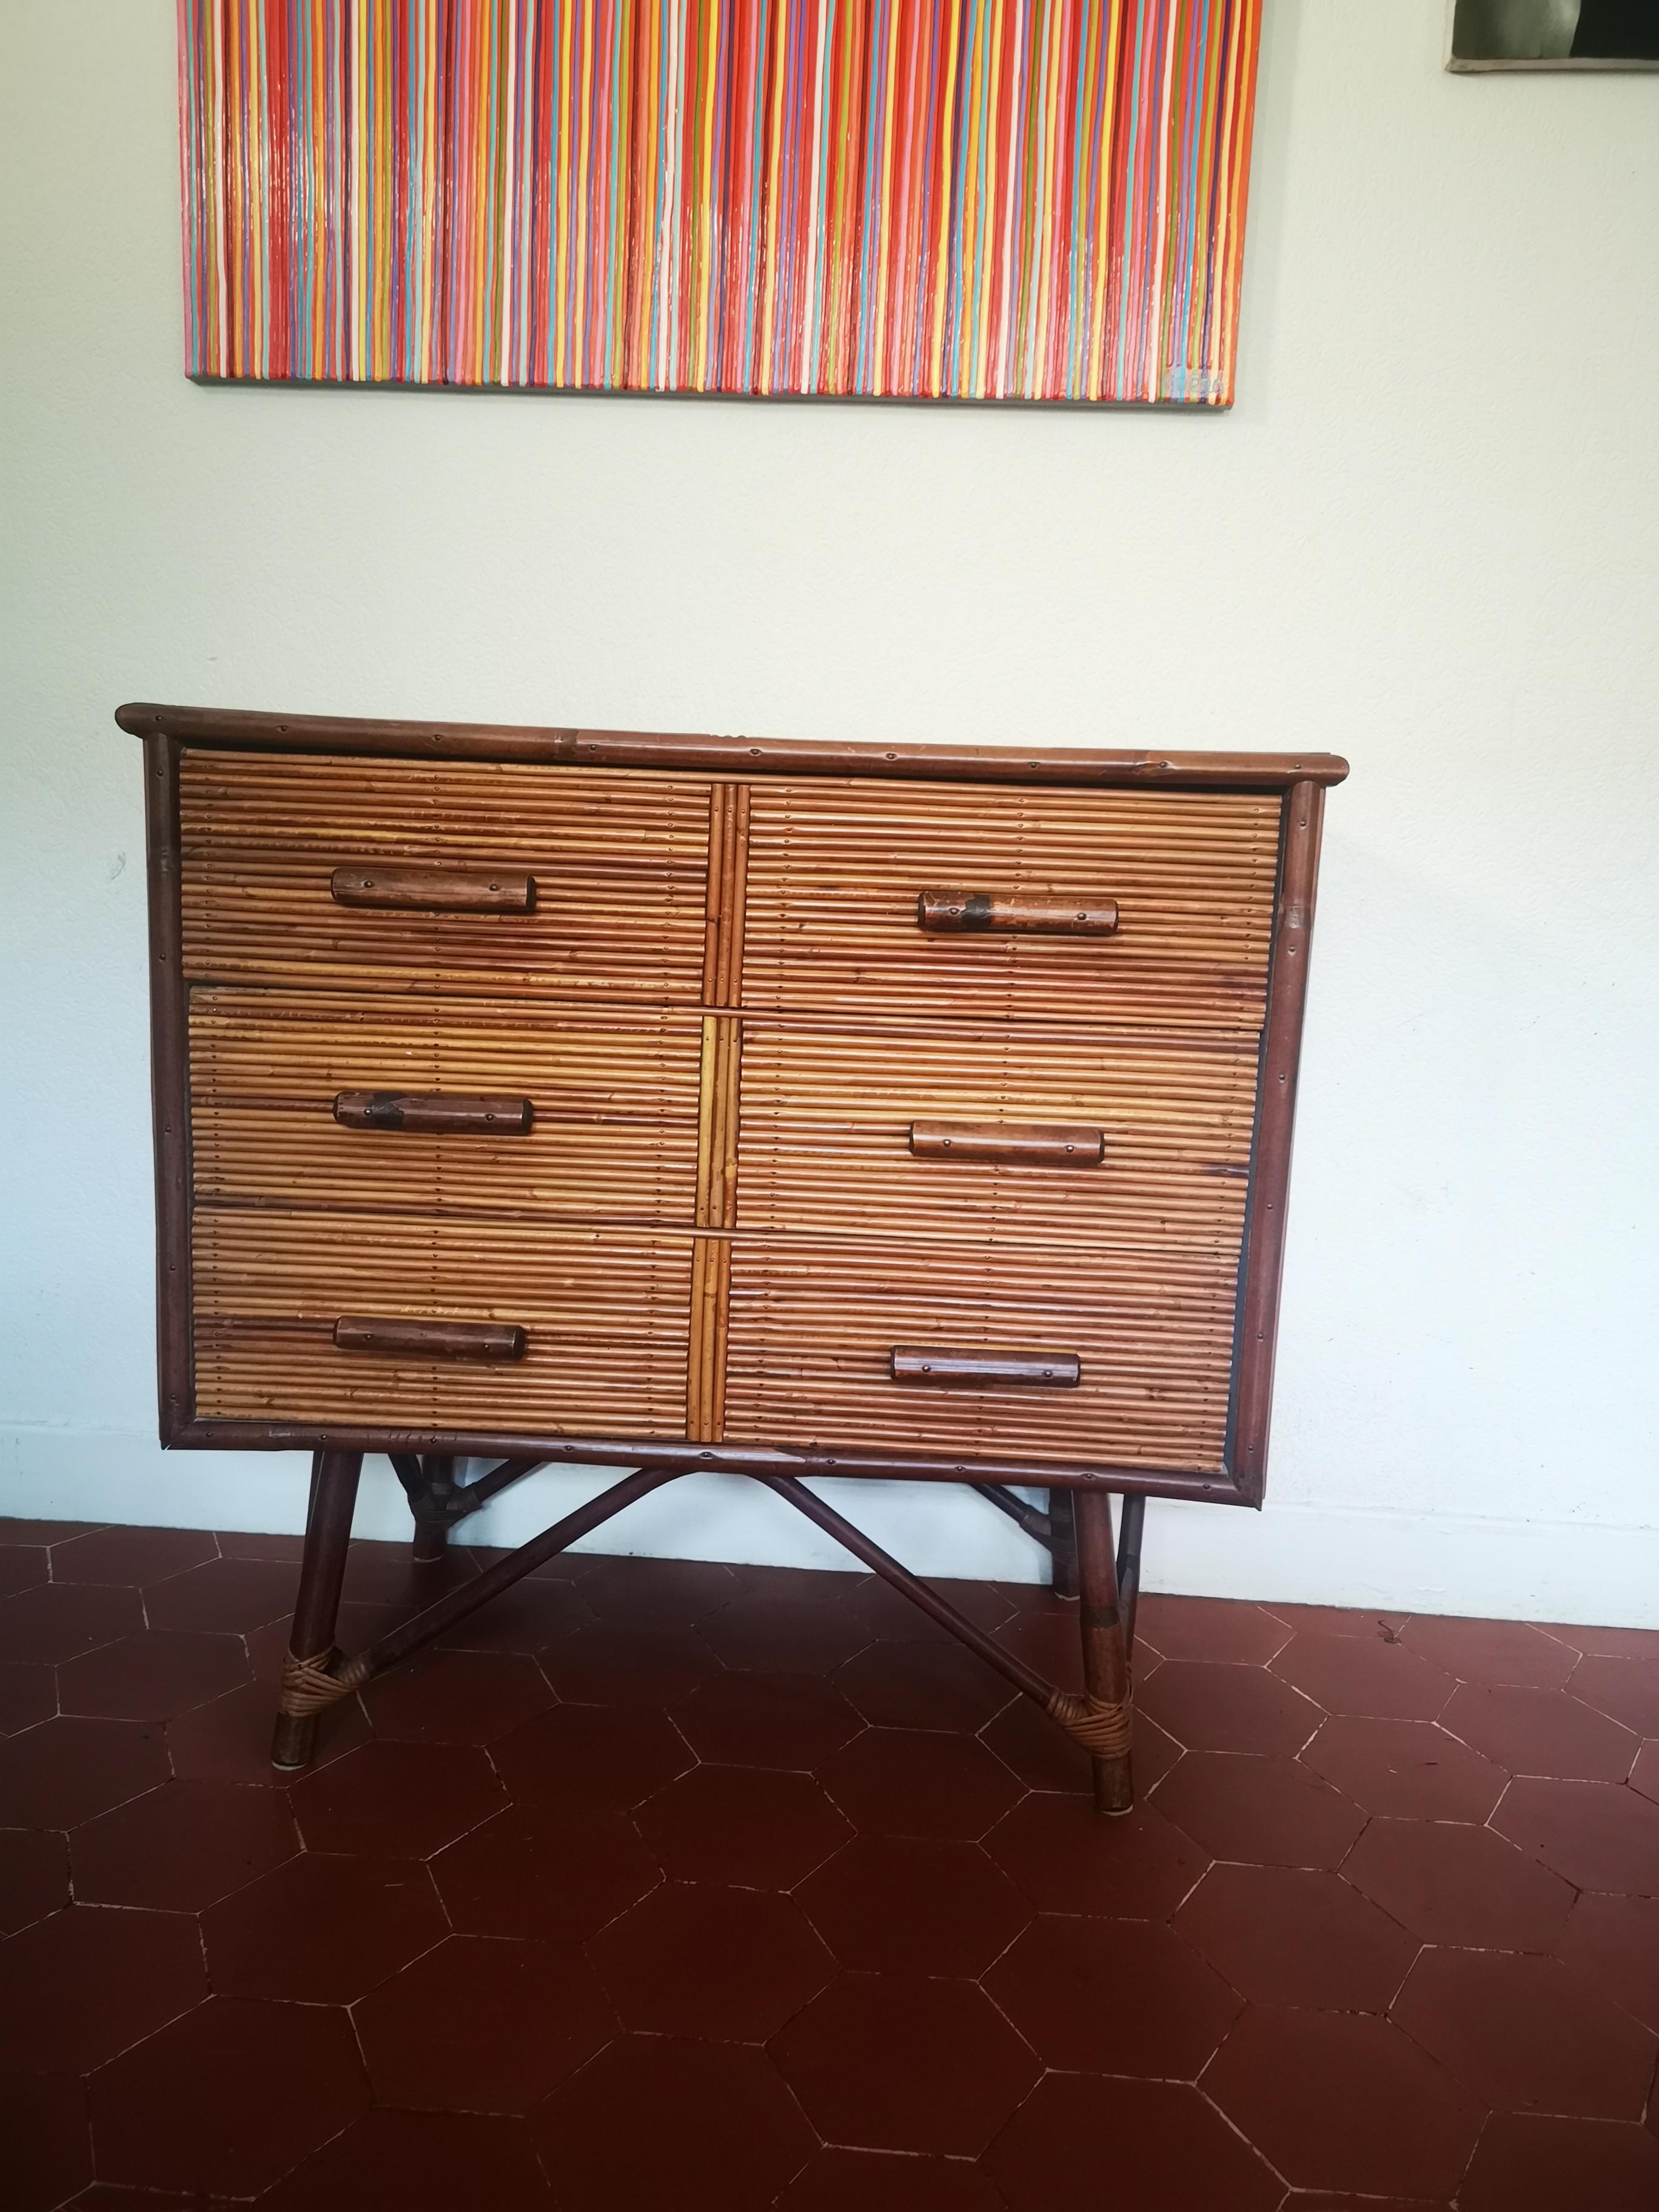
435	891
433	1112
1010	1143
1015	913
950	1365
430	1340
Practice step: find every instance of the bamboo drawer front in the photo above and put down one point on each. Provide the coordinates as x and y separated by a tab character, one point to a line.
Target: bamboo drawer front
602	1315
896	1110
316	1100
1179	886
381	874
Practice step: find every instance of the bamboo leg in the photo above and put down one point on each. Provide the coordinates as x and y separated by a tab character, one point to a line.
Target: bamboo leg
431	1523
317	1606
1132	1513
1105	1653
1062	1543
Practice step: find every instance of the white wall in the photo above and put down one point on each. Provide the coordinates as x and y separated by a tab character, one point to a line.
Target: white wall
1424	538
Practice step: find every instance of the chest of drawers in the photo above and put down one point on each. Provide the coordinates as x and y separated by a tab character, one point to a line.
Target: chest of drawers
673	1103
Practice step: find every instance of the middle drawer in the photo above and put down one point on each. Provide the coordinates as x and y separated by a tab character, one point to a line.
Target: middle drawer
612	1096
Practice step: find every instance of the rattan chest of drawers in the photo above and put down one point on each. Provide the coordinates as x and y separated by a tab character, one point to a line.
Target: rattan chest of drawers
678	1103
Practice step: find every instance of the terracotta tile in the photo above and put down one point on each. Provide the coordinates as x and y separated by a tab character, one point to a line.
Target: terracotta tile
886	2062
1519	2031
109	2196
258	1544
1644	1775
1066	1858
914	1906
658	1593
228	1739
66	1771
911	1782
1266	1811
34	1877
1606	1643
389	2162
85	1983
656	2121
695	1959
1613	1942
555	1880
744	1719
1165	2148
1626	1690
920	1685
386	1574
1507	1651
226	1595
22	1567
785	1631
616	1664
1295	1935
44	1532
227	2099
1044	1757
55	1621
1412	1770
588	1758
886	2181
748	1824
457	1697
1324	2200
1449	1882
45	2142
1344	2101
182	1846
407	1800
1209	1705
1050	1641
130	1556
482	2025
1113	1996
521	1620
1540	1732
1597	1835
153	1676
28	1694
888	1613
1213	1628
1339	1620
1357	1675
1527	2163
323	1929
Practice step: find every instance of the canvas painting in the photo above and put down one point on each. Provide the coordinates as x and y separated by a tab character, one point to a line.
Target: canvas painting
1554	34
905	199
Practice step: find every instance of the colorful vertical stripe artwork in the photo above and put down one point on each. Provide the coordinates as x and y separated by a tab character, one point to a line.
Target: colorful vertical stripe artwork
939	199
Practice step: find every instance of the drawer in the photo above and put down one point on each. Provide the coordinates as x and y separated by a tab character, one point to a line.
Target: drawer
812	1331
613	1095
278	852
835	872
999	1134
603	1313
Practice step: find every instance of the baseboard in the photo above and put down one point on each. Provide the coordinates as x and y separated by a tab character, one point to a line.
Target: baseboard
1567	1570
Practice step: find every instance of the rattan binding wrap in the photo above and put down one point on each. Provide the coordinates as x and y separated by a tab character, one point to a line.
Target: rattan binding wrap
1101	1729
311	1686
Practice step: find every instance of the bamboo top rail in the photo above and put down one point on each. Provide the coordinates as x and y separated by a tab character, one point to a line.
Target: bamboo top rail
734	755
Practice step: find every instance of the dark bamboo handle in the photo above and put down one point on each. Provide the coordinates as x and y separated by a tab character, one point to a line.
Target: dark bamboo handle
431	1339
1010	1143
435	891
946	1364
433	1112
1018	912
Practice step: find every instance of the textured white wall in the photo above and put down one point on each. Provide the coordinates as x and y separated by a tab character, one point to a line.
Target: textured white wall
1424	538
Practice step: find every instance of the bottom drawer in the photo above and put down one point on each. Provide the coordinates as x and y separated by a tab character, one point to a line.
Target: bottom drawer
814	1329
603	1315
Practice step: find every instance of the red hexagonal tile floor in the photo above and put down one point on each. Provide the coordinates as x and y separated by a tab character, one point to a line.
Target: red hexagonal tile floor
668	1884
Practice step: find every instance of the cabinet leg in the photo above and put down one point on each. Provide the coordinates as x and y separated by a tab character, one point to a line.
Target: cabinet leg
1131	1517
316	1607
1105	1652
431	1541
1062	1543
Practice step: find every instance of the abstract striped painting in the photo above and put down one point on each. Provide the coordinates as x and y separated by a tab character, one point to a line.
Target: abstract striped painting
937	199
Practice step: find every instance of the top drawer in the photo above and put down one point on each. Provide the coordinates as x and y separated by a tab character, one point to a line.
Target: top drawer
836	870
619	859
